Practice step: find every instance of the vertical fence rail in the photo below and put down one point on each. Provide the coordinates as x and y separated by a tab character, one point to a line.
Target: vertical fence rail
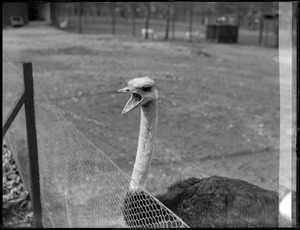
27	98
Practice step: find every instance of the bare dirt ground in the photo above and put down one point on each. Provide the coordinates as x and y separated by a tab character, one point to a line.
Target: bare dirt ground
218	106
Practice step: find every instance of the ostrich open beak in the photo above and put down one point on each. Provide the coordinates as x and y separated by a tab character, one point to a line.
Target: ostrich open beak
133	102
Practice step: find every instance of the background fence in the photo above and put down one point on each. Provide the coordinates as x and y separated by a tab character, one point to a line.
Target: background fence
257	22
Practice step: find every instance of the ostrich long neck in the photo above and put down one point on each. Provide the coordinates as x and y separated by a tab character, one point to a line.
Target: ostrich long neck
145	147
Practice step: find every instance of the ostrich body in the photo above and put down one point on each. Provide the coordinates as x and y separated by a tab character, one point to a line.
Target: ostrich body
209	202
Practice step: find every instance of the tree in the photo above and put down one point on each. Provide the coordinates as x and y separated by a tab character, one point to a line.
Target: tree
147	11
173	19
261	25
138	9
80	17
191	21
168	16
125	9
113	17
133	6
133	9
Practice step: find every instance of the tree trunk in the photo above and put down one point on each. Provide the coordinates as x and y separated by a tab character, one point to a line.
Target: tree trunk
261	26
173	18
113	12
168	20
54	15
80	18
184	13
98	9
133	20
261	23
147	19
238	21
191	22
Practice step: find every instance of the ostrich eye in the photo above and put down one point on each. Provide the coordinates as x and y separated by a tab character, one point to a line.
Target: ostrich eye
147	88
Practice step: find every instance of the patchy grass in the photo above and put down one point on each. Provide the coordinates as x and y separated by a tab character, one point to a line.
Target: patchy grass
218	106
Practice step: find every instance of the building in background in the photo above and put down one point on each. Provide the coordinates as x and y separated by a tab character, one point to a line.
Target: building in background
29	11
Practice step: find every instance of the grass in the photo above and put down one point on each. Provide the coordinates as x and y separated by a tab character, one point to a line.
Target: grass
218	106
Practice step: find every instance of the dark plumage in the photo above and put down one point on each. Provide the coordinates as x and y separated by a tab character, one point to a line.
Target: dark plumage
209	202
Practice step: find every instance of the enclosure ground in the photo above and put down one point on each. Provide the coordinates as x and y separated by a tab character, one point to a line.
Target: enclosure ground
218	105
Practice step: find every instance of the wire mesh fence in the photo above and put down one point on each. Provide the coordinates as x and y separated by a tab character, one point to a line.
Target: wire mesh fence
79	185
171	21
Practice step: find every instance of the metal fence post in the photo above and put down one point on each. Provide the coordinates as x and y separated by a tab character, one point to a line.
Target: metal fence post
32	144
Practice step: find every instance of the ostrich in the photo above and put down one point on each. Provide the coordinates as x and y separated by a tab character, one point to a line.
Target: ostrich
209	202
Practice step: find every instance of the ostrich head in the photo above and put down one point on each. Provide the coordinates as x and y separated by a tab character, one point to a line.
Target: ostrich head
142	92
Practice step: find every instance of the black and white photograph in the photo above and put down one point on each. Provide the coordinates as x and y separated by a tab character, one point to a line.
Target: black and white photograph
149	114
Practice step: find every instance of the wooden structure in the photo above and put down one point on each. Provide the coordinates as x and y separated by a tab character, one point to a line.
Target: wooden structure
13	10
29	11
16	21
222	33
269	30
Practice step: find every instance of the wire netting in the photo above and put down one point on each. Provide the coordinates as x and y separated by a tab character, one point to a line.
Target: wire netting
80	185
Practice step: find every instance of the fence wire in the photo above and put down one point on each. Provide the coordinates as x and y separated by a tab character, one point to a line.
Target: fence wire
80	185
